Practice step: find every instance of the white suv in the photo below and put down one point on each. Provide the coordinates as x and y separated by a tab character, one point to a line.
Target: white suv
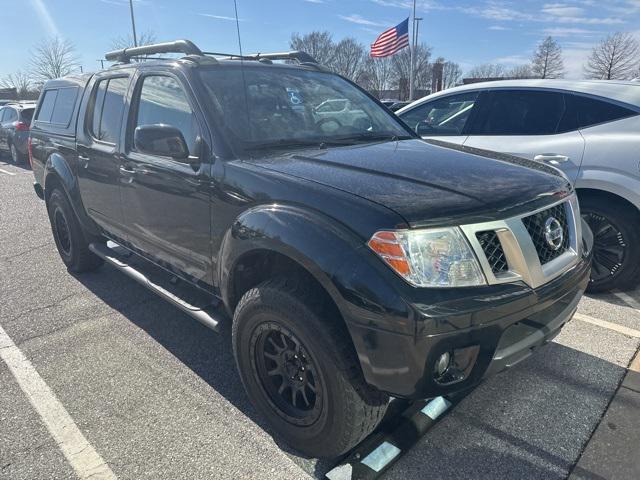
588	129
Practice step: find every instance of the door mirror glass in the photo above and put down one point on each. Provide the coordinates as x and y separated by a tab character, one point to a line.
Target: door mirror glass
161	140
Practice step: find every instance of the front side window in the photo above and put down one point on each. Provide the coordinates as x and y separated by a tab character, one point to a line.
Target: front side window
108	108
46	106
521	112
27	115
164	101
443	116
269	108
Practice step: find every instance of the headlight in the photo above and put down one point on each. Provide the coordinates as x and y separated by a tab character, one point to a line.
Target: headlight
439	257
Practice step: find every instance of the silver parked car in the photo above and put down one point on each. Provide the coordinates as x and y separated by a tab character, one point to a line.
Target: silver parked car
588	129
15	120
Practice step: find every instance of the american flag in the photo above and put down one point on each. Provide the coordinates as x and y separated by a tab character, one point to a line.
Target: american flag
391	41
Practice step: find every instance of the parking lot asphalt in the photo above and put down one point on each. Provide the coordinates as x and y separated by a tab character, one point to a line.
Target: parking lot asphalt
157	395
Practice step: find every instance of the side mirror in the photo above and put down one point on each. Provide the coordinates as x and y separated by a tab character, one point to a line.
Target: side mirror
162	140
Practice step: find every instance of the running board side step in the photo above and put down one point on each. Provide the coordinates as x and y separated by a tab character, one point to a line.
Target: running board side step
208	316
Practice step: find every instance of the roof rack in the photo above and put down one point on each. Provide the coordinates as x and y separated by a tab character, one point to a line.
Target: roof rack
179	46
301	57
191	50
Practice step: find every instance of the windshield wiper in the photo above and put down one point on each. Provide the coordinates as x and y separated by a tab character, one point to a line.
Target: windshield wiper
284	143
371	137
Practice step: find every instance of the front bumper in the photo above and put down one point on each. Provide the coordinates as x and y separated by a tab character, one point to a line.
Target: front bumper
505	325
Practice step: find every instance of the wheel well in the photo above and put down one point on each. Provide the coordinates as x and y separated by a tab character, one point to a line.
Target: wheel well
255	267
50	185
605	197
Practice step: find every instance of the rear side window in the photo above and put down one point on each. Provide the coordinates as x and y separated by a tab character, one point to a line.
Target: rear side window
63	108
584	112
10	115
521	112
108	108
46	106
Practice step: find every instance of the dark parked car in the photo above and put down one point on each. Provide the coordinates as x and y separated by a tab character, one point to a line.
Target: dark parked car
15	120
354	262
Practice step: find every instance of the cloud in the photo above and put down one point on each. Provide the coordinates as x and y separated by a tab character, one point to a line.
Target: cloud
314	1
568	32
562	10
513	60
498	27
357	19
220	17
45	17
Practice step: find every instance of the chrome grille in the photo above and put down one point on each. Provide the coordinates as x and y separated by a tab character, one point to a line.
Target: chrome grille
535	225
512	249
492	248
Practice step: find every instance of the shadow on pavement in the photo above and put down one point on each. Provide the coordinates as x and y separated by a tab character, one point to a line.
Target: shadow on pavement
529	422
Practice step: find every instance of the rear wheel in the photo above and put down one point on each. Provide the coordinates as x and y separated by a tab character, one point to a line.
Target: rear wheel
16	156
72	242
616	251
300	371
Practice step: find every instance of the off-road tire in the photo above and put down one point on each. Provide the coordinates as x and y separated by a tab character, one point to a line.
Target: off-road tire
627	220
351	409
73	245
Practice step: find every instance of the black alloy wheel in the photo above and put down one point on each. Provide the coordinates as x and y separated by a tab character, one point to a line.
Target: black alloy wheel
288	374
609	247
62	232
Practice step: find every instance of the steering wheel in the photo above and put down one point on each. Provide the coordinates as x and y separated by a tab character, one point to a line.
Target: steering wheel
423	128
322	121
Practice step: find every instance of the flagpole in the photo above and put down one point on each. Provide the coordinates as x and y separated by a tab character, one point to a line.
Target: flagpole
412	51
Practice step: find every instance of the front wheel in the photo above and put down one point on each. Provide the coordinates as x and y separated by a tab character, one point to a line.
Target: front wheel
300	370
616	249
16	157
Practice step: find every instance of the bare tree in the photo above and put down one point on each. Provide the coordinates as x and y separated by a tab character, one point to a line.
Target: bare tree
547	60
126	41
487	70
615	58
349	59
319	45
19	80
451	74
53	58
422	67
377	75
521	71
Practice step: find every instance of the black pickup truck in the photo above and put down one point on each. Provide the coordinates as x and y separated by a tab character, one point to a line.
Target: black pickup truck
354	261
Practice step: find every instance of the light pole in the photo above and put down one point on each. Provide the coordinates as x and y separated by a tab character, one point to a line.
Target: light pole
411	51
133	24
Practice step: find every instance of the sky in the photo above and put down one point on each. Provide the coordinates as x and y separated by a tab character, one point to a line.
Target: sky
469	32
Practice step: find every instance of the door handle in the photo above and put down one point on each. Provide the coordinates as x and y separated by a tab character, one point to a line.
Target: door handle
84	161
552	158
127	171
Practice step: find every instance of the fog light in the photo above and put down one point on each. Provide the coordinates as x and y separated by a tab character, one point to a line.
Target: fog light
442	364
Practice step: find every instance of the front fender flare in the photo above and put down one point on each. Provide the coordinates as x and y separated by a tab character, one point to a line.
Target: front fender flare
358	282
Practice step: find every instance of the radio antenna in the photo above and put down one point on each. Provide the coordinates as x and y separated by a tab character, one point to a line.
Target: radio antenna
244	81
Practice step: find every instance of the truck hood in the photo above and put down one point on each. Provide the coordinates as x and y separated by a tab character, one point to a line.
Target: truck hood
429	182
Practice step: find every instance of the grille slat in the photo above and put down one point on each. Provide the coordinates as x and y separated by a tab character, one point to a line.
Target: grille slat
535	225
493	250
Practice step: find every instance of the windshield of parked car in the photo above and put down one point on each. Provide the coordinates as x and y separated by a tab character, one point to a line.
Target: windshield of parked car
264	108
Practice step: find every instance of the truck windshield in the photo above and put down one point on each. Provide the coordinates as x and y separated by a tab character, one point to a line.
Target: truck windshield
270	108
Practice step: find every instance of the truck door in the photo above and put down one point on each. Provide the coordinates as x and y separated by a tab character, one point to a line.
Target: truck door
99	131
166	200
530	124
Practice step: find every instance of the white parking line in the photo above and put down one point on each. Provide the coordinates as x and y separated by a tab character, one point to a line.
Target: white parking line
8	173
628	299
630	332
79	453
